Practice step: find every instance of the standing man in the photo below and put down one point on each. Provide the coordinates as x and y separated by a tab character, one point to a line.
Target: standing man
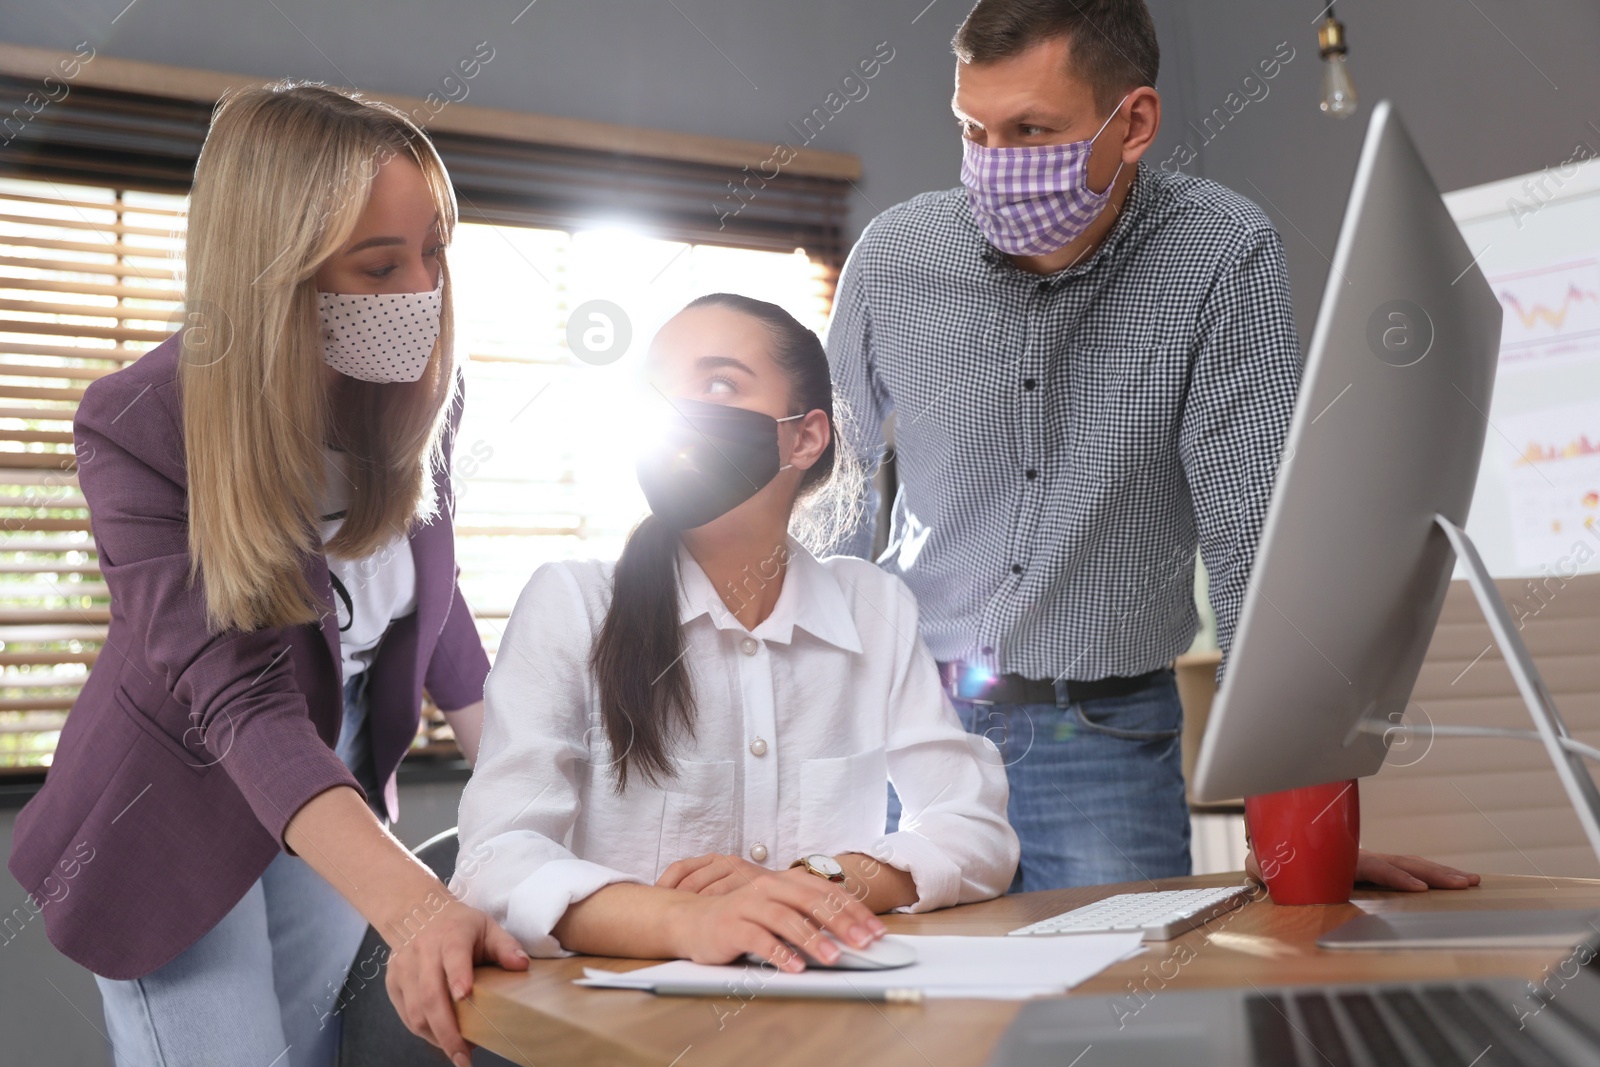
1092	365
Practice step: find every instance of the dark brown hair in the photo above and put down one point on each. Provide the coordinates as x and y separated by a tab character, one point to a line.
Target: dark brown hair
646	698
1114	45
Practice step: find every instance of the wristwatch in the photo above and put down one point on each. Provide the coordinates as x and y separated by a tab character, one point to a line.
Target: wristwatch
821	865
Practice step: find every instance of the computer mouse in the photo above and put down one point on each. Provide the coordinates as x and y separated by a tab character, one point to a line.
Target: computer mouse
884	954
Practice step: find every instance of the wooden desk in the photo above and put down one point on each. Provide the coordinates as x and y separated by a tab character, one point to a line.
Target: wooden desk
541	1018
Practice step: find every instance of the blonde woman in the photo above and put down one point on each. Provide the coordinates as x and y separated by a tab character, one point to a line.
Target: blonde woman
270	498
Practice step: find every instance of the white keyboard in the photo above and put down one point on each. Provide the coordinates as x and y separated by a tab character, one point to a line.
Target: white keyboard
1159	916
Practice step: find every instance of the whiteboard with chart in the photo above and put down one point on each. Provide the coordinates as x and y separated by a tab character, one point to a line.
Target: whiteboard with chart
1537	240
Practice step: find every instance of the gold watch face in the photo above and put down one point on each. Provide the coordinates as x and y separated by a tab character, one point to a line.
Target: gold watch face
825	865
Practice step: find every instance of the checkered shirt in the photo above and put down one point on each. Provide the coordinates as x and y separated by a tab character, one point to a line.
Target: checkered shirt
1065	443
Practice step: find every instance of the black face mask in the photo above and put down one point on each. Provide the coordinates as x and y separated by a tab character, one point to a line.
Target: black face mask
711	459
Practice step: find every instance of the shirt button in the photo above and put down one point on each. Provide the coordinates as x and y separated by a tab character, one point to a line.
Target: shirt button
758	852
1032	474
1029	384
749	645
758	747
1016	568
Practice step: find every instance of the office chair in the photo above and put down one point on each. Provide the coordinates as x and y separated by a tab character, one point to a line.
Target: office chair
373	1035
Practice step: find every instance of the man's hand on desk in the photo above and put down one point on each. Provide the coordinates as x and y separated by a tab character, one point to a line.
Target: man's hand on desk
1413	874
1410	874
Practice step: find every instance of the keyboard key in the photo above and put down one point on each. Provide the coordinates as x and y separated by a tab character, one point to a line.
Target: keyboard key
1321	1029
1496	1052
1370	1023
1511	1026
1583	1026
1420	1025
1271	1038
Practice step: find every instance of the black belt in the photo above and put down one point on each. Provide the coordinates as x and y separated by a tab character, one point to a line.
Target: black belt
966	681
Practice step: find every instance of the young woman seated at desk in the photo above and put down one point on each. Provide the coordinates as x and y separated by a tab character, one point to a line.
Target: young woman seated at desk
680	749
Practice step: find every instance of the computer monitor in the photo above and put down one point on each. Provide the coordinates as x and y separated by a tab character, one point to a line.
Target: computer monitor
1374	483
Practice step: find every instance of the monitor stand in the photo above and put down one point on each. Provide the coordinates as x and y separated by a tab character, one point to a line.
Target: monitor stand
1460	929
1570	766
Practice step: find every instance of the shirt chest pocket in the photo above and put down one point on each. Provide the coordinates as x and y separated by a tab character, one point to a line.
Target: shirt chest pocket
698	816
1118	412
844	801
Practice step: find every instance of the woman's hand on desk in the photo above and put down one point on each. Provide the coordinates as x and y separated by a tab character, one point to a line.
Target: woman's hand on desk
875	884
1413	874
711	875
435	949
433	938
769	909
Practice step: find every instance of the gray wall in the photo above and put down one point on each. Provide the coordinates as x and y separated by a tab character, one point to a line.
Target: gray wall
726	67
754	69
1482	102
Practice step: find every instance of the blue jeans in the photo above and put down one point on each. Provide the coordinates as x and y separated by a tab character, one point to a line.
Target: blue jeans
261	986
1097	792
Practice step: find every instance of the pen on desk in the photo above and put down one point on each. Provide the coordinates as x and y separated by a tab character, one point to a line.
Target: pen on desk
718	989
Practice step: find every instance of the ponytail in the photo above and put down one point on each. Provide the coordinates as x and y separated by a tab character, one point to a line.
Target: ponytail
646	698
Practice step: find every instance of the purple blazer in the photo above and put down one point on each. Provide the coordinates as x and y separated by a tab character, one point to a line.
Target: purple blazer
187	752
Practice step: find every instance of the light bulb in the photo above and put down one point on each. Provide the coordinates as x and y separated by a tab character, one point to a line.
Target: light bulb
1338	92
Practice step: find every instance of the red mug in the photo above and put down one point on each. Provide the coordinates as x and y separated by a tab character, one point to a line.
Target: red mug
1306	840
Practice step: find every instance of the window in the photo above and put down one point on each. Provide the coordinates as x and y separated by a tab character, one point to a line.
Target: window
542	470
543	461
86	286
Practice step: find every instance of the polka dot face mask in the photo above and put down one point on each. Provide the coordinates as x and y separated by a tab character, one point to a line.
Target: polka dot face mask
380	337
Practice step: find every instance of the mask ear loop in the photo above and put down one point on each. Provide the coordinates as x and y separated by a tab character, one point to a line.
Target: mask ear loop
1109	117
1111	184
790	418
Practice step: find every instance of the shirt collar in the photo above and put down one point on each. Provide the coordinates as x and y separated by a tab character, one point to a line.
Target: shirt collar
810	599
1139	193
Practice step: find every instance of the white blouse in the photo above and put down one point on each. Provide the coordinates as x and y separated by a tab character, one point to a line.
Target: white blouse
801	724
370	593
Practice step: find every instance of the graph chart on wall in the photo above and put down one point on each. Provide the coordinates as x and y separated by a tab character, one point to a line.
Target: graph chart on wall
1537	240
1554	485
1551	313
1552	318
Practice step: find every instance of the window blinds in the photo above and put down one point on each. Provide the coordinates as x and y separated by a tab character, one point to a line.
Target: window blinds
141	141
86	285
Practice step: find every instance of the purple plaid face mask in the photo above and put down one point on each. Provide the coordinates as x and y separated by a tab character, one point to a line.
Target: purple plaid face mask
1034	200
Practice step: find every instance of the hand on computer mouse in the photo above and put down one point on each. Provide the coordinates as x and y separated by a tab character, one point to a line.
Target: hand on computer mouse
883	954
762	917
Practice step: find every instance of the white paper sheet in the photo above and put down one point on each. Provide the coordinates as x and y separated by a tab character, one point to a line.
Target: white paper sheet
991	968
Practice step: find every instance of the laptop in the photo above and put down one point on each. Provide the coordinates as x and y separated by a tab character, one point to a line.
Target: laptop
1552	1020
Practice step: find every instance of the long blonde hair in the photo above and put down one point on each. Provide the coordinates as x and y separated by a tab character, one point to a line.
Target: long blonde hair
281	182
